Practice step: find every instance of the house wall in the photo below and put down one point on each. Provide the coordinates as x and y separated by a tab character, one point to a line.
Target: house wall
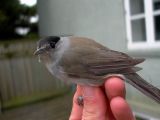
90	18
104	21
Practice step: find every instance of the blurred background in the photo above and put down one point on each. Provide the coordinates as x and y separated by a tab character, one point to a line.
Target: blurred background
27	89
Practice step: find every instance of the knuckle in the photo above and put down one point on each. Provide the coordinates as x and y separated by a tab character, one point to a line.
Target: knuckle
90	100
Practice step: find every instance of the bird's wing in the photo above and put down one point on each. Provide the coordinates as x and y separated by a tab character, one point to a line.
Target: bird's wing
91	62
112	62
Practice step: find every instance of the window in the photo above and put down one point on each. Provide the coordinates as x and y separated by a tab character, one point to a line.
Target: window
143	24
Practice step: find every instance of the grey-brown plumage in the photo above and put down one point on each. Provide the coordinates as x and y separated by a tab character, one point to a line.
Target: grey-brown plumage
84	61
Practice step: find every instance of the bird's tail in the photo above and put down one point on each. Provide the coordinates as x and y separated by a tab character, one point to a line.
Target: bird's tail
146	88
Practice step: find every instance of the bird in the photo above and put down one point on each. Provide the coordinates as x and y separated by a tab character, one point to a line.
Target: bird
84	61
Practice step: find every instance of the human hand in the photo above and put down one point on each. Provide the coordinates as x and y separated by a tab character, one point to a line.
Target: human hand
106	103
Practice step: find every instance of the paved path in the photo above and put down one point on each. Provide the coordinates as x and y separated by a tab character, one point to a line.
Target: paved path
54	109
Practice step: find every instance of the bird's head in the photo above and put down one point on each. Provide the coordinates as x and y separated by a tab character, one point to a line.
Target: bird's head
46	46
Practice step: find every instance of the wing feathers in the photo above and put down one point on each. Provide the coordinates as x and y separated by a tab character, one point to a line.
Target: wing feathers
93	61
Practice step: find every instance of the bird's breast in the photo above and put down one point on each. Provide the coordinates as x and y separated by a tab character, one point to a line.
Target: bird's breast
57	71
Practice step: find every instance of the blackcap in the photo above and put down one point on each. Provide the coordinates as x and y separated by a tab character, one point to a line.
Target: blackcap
85	62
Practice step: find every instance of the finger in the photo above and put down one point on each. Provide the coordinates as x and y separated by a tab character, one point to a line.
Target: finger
76	113
121	109
109	115
114	87
94	103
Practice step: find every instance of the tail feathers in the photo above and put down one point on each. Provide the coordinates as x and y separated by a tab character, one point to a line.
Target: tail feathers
146	88
138	60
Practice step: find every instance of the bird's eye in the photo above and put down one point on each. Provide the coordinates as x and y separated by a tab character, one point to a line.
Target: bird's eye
52	44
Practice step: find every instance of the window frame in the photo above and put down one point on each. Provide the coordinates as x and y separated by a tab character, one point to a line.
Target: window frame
148	15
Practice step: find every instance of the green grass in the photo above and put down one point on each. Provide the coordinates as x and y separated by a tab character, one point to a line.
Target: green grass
38	97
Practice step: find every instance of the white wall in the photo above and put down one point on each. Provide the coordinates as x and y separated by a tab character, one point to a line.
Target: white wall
102	20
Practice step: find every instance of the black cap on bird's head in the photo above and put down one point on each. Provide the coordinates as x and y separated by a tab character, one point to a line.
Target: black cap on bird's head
46	44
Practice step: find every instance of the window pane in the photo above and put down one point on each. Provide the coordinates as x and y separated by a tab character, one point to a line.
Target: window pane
157	27
136	6
156	4
138	30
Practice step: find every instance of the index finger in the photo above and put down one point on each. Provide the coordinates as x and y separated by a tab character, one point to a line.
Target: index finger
115	90
114	87
76	113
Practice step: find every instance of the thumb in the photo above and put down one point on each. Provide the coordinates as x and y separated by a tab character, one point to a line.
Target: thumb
94	104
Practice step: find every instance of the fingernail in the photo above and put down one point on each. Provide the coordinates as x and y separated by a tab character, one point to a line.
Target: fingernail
88	91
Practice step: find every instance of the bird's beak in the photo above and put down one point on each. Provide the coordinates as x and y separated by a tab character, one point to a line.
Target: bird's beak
39	51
